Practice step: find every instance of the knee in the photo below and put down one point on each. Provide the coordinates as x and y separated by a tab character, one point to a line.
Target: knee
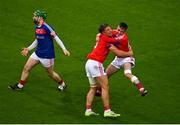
128	73
105	86
92	91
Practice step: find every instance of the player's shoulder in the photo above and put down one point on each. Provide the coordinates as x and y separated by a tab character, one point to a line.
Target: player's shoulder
126	36
48	27
102	37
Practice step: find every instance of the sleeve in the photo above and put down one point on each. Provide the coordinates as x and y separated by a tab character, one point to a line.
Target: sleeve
59	42
110	40
98	37
33	45
50	30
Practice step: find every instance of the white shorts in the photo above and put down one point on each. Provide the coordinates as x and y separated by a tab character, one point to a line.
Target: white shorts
94	69
119	62
45	62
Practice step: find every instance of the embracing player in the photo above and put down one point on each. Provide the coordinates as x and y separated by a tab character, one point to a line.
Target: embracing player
95	70
44	52
128	62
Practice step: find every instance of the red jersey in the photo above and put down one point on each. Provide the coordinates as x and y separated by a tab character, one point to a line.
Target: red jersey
101	49
124	42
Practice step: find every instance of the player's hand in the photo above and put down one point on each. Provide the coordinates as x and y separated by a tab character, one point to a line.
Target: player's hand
97	37
66	52
118	38
25	51
112	47
131	52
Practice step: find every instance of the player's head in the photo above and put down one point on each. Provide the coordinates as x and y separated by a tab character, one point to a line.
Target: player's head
38	16
105	29
122	27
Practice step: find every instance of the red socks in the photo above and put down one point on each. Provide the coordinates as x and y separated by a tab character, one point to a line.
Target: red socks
22	82
106	108
61	82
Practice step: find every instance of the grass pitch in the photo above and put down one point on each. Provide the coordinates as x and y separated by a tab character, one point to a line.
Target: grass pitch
153	32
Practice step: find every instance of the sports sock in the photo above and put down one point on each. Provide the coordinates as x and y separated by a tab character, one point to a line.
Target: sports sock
21	83
61	83
107	108
136	81
139	85
88	108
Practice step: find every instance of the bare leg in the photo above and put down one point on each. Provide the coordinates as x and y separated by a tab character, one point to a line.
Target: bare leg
111	70
103	81
53	74
90	96
27	68
25	74
89	101
133	78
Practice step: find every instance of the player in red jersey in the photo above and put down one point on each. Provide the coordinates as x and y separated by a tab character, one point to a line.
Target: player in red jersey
128	62
95	71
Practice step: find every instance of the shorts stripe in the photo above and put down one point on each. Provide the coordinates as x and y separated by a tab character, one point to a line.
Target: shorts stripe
100	69
50	62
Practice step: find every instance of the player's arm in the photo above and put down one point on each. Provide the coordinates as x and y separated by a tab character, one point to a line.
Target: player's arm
110	40
120	53
97	37
130	48
60	43
25	51
106	38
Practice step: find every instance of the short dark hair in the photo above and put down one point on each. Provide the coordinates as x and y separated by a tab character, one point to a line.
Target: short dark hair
123	25
102	27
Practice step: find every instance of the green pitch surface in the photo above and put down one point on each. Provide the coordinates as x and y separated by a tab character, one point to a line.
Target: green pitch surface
154	34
